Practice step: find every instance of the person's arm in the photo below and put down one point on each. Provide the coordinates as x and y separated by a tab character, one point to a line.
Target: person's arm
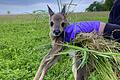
112	31
114	16
75	28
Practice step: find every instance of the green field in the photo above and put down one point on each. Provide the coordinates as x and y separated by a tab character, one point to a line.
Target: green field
24	41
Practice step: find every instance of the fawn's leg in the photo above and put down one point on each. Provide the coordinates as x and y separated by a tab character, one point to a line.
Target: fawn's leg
79	74
48	61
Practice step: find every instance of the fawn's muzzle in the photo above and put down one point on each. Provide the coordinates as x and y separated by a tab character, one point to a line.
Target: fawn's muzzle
57	32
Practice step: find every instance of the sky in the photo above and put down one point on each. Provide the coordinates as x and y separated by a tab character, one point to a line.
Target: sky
28	6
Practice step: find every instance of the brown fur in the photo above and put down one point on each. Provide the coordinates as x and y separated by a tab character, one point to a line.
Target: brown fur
53	56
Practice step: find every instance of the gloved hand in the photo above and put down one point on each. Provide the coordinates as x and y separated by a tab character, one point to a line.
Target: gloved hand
85	27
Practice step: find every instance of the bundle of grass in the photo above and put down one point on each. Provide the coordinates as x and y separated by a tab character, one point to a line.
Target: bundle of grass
101	56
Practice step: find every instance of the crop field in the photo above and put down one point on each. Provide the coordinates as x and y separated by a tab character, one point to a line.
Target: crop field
24	41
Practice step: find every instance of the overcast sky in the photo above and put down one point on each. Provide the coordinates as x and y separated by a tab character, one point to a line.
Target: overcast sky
23	6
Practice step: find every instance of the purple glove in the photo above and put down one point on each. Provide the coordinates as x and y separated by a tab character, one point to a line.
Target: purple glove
86	27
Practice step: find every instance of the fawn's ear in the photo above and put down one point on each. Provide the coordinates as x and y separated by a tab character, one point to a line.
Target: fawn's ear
63	10
50	11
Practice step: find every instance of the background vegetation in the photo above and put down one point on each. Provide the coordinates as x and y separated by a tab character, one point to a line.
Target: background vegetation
24	41
105	5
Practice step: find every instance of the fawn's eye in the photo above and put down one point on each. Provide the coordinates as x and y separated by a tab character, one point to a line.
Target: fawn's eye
63	24
51	23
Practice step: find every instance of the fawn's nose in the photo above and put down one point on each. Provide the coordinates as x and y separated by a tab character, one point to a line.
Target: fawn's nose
56	32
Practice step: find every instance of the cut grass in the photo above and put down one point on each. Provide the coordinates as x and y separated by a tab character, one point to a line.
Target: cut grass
102	54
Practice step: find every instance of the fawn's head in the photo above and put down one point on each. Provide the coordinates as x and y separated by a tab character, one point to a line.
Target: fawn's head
57	22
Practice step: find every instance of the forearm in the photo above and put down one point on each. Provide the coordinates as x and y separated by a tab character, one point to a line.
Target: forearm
101	28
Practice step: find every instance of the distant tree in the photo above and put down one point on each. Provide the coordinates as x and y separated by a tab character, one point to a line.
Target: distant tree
39	11
34	12
8	12
95	6
108	4
99	6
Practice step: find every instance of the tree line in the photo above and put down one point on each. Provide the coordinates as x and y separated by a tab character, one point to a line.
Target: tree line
100	6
